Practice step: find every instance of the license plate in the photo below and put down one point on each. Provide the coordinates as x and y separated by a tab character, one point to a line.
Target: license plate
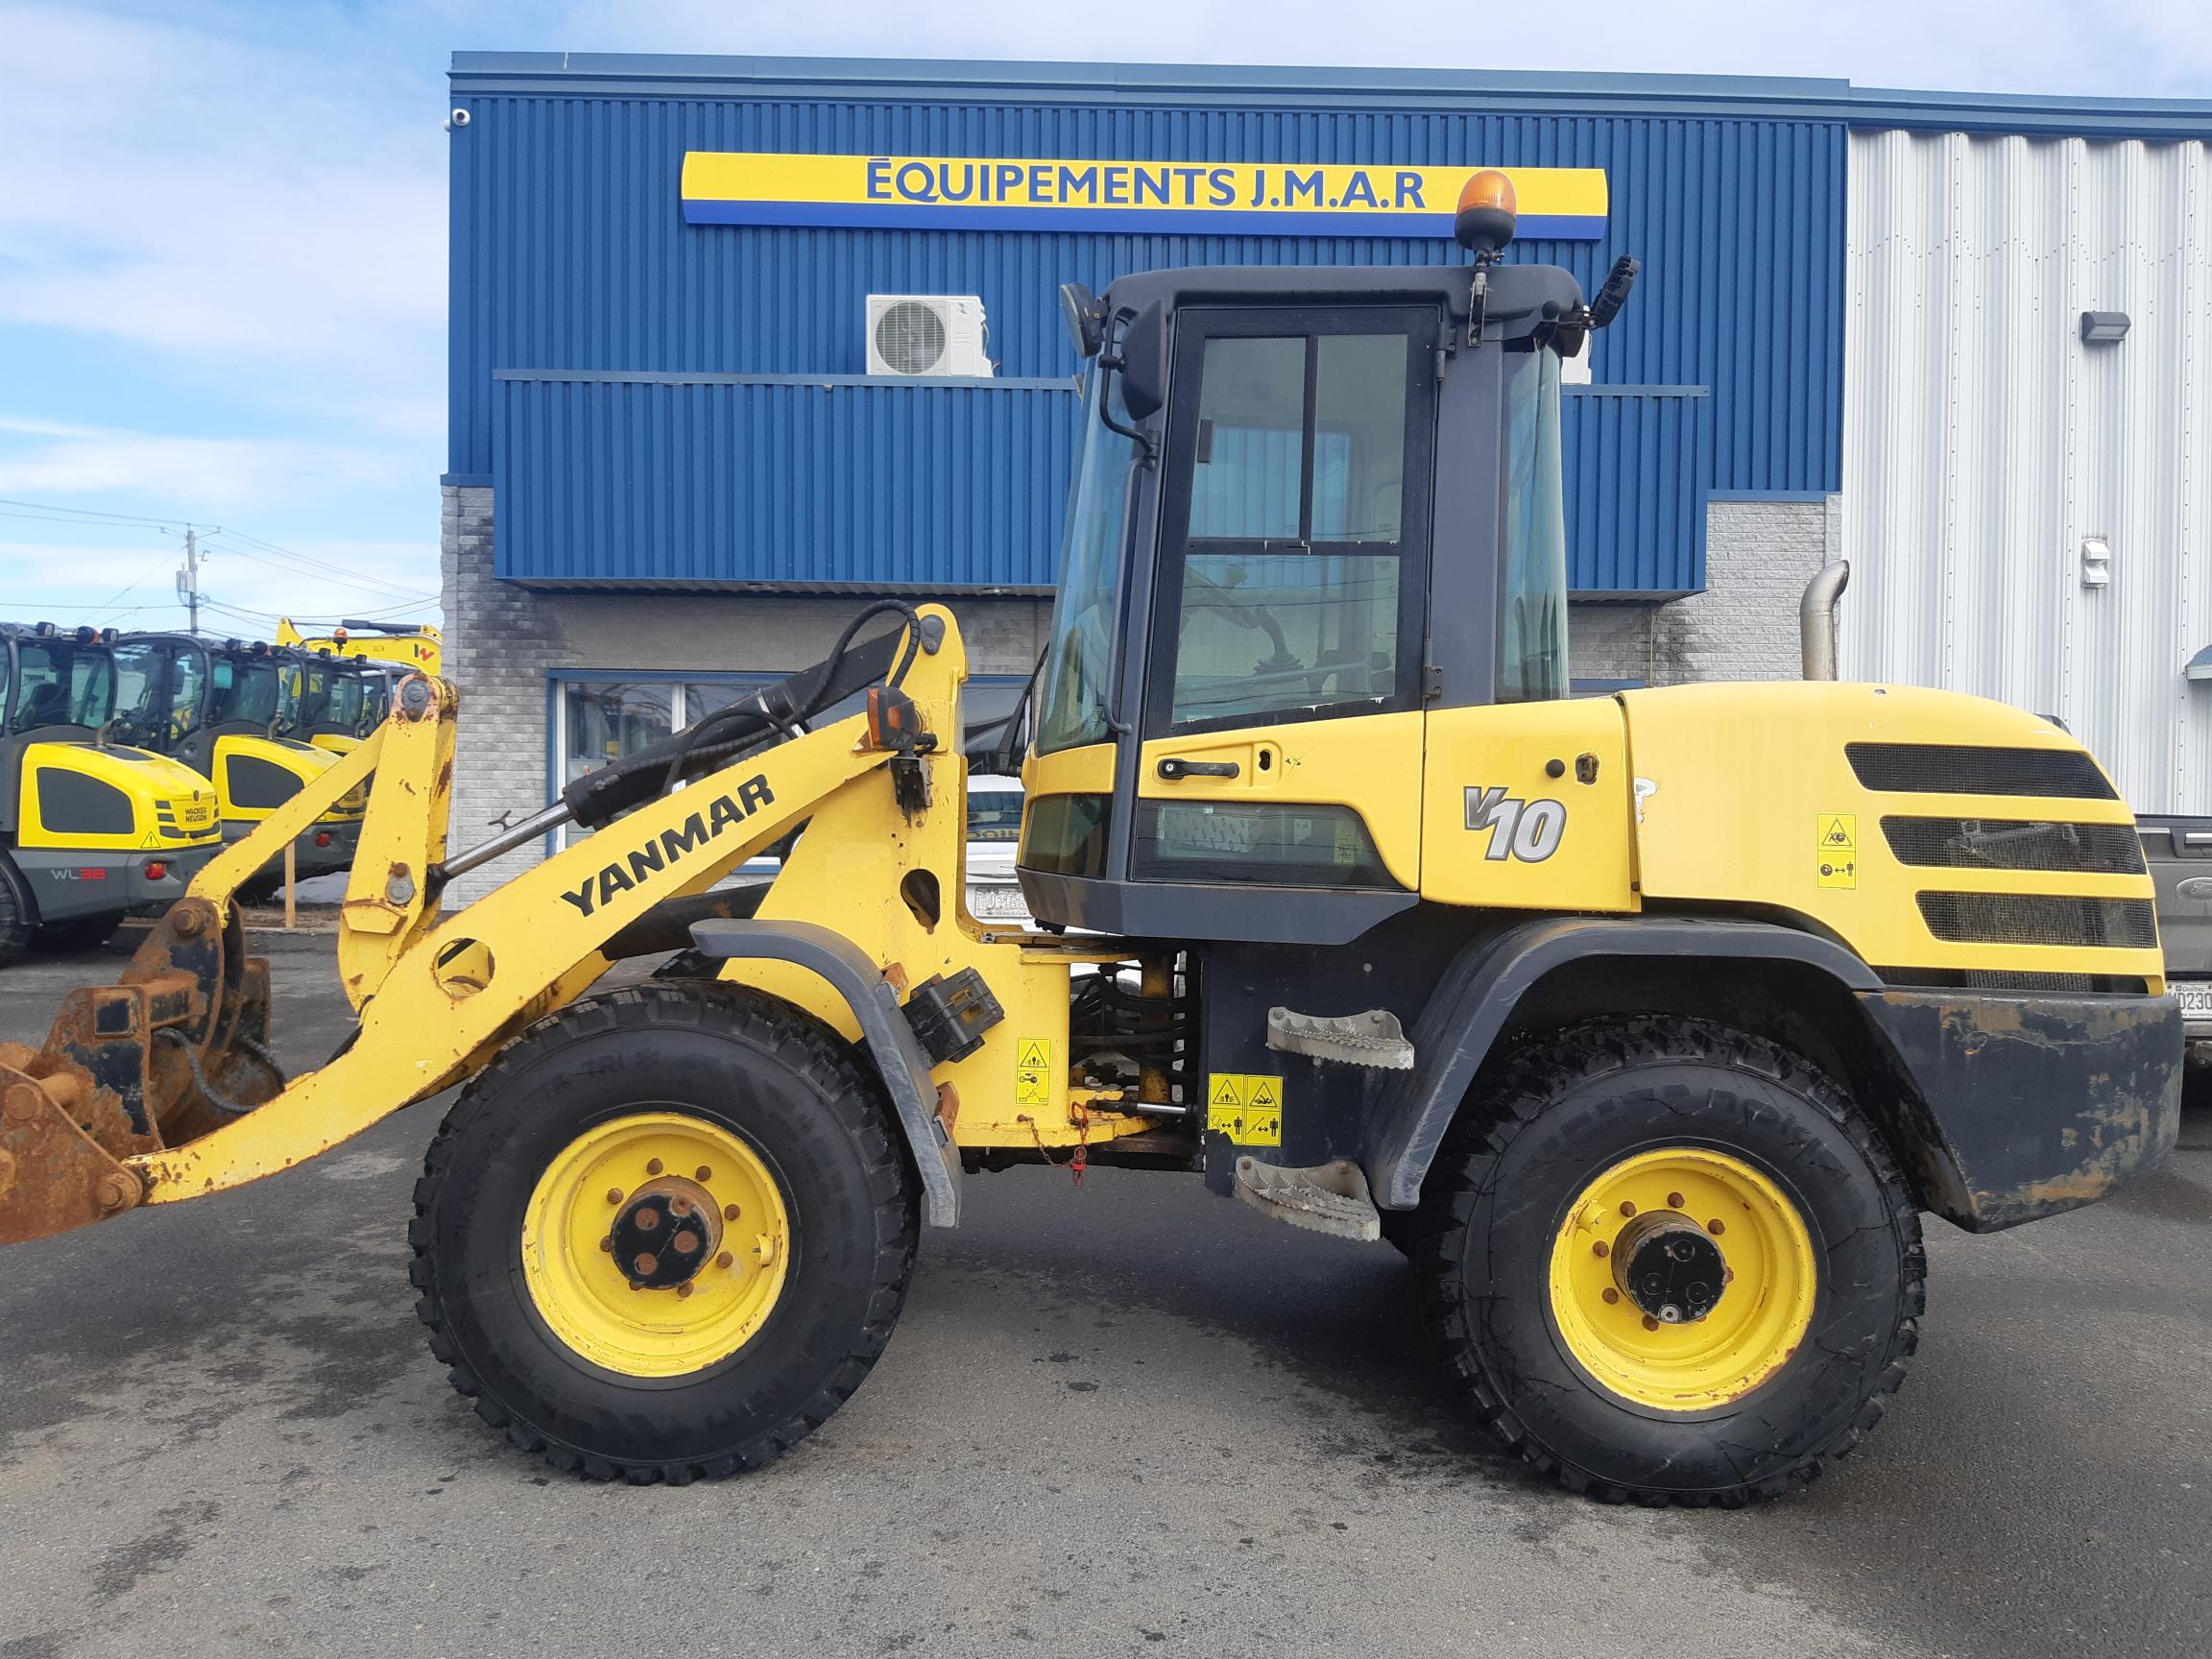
2195	996
996	901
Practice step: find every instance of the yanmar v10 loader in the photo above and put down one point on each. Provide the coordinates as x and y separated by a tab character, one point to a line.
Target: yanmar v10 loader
1648	1025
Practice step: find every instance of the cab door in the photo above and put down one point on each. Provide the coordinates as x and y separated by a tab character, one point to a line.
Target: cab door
1280	738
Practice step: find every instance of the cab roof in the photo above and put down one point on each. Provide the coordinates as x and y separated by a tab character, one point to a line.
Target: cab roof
1518	294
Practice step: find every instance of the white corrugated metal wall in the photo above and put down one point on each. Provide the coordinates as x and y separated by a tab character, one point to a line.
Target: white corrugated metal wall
1982	440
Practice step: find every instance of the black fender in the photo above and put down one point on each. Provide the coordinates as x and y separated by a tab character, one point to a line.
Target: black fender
1476	994
891	1041
11	879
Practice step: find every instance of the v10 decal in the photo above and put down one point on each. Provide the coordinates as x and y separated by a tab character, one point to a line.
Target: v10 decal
1529	831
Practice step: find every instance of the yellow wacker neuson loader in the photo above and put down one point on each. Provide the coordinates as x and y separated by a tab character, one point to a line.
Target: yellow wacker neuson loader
92	827
1646	1025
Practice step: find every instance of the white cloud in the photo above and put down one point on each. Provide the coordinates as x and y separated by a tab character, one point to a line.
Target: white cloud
208	474
270	206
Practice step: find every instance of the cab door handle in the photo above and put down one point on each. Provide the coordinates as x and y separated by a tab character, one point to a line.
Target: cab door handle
1173	767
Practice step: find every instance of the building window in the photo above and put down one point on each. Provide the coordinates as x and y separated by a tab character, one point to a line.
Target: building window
601	717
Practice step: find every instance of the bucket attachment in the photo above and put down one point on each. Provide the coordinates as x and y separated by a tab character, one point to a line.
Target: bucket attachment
173	1049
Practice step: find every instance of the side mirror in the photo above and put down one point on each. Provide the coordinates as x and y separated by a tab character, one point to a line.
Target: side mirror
1085	318
1614	294
1145	362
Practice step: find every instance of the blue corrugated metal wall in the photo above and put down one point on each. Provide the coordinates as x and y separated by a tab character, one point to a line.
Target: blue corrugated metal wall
882	484
571	254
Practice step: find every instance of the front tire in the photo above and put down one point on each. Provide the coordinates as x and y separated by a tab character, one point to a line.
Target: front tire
1671	1263
702	1313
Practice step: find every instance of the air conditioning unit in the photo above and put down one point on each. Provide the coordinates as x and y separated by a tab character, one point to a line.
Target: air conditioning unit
927	335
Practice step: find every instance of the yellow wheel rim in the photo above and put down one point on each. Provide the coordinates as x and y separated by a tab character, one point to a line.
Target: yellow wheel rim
1639	1250
719	1241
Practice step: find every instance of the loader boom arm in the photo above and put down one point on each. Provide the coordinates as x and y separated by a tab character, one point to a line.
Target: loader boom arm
156	1089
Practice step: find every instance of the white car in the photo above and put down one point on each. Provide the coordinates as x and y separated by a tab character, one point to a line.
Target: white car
994	838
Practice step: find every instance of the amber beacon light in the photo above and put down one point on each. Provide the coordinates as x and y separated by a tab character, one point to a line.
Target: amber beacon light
1485	218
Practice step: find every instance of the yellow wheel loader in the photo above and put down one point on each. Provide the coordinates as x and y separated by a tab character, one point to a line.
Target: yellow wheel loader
227	710
1648	1026
91	829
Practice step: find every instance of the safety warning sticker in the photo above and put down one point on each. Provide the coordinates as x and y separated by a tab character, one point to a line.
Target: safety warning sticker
1246	1107
1033	1072
1836	860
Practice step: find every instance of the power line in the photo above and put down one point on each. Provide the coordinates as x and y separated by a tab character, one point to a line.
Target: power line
91	513
96	609
381	589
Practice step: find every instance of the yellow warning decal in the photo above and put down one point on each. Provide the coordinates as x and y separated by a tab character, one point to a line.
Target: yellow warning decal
1835	858
1033	1072
1246	1107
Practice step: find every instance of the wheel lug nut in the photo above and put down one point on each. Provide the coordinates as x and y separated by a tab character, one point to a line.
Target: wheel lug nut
646	1266
1674	1200
648	1219
1611	1295
684	1288
1626	1208
614	1194
1715	1228
1602	1248
729	1214
680	1206
1650	1323
703	1174
655	1167
687	1243
725	1260
607	1246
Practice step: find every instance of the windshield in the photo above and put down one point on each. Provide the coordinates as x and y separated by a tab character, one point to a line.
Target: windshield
246	691
304	696
1532	611
159	688
1071	698
59	682
348	706
994	814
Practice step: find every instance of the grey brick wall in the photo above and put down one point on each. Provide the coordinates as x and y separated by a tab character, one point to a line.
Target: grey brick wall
502	639
1759	555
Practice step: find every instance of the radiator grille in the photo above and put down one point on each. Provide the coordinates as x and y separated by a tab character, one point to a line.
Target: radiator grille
2015	844
2039	918
1974	769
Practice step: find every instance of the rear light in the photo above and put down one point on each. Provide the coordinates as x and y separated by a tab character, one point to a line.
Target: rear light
156	871
321	837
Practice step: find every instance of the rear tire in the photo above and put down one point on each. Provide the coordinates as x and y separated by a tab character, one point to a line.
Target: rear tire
600	1377
1620	1395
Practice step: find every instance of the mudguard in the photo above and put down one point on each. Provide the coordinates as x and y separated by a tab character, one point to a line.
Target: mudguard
1477	993
897	1051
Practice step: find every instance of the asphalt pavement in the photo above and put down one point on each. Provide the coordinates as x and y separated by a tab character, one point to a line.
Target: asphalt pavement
1124	1419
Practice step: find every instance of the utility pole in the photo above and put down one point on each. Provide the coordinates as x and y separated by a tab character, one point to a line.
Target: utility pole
189	578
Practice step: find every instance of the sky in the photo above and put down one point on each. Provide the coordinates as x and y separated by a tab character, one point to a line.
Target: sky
223	227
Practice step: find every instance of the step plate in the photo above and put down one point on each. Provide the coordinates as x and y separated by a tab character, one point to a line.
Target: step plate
1326	1198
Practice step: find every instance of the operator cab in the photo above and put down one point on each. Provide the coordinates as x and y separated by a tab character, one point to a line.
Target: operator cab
1312	506
55	687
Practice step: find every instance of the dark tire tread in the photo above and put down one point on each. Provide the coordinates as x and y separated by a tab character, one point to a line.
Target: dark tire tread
814	1053
1510	1099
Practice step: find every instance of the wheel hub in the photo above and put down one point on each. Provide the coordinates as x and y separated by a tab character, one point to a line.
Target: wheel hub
1665	1264
665	1233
